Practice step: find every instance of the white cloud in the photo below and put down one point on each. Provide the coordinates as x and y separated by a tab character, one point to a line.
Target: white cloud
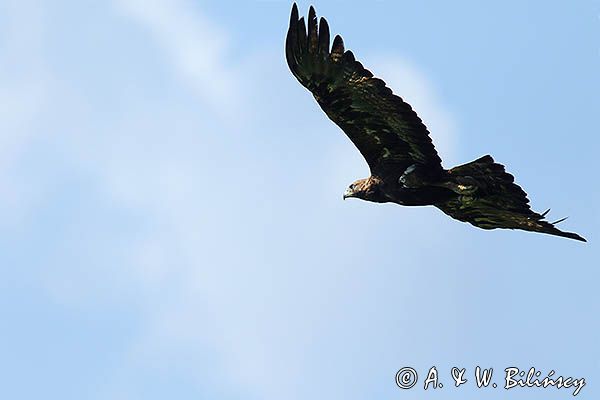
243	255
23	96
235	290
194	45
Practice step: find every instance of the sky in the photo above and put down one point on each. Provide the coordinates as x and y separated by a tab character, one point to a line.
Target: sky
171	214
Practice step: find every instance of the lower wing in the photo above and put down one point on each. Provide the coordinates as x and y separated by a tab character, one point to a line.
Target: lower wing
489	213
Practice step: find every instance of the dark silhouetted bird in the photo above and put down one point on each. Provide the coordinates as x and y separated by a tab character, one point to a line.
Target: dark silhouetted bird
405	167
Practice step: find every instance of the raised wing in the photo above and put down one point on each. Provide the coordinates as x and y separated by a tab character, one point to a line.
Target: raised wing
384	128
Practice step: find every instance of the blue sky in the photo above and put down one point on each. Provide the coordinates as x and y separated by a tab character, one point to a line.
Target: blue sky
171	221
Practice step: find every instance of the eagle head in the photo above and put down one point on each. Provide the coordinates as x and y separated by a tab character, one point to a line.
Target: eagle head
366	189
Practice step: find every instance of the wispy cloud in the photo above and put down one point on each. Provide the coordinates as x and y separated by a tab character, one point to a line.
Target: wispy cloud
194	45
224	263
181	253
23	96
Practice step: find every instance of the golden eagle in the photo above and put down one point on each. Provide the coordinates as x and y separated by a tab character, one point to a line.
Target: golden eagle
405	167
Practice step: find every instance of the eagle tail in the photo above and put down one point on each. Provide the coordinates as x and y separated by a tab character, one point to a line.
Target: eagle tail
489	198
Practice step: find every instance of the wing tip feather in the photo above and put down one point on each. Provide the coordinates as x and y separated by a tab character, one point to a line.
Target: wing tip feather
570	235
323	36
294	14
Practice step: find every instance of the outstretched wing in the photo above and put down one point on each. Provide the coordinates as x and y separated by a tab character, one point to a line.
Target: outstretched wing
499	202
384	128
487	215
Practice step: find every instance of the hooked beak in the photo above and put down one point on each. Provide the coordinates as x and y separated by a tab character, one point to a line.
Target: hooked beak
348	193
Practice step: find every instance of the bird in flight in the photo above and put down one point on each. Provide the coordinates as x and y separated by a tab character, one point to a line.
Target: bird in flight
405	167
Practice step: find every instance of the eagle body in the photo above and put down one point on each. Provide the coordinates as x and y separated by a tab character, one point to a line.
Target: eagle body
377	190
405	167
